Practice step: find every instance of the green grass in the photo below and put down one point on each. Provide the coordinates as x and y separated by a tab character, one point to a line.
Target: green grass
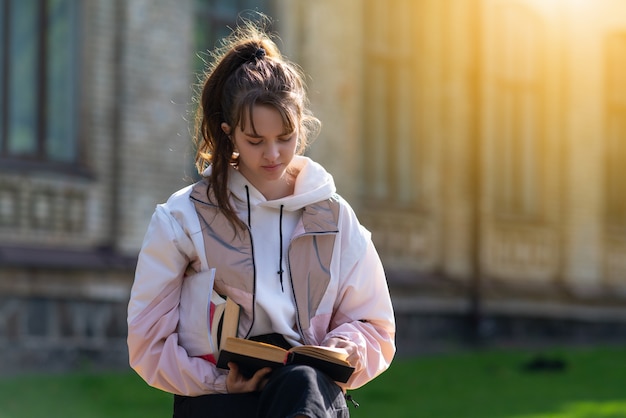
84	395
480	384
493	384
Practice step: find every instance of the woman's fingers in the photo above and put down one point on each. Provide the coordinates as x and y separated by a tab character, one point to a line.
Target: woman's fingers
237	383
260	378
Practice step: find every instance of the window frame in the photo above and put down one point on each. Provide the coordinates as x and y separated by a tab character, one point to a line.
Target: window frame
615	128
40	158
519	120
393	130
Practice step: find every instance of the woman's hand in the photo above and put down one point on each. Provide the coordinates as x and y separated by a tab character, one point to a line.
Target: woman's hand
348	346
237	383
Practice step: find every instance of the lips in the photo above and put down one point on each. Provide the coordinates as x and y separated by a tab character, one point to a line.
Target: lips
271	167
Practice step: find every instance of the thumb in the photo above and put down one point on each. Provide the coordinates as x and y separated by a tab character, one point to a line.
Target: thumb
258	380
233	367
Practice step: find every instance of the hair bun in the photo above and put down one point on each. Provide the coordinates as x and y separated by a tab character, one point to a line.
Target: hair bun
259	54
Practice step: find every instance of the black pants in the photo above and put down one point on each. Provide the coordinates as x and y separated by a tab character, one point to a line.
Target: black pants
291	390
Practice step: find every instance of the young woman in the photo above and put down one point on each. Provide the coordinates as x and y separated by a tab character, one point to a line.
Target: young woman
281	243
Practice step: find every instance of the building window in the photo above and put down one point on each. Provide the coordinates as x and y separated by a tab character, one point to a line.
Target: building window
391	76
616	130
519	134
38	80
213	20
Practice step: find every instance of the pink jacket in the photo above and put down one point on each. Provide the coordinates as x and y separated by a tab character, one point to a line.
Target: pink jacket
340	290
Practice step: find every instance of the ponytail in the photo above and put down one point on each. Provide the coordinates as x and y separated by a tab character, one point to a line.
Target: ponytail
247	70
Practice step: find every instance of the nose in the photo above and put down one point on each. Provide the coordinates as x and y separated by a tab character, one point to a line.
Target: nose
271	151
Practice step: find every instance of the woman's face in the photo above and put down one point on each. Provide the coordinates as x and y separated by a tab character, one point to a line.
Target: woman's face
264	152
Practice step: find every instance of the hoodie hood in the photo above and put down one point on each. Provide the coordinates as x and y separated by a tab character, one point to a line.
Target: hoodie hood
313	184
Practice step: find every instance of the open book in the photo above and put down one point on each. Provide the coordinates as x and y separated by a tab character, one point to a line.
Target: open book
251	356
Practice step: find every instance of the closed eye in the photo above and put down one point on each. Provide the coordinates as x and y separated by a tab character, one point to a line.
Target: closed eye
257	140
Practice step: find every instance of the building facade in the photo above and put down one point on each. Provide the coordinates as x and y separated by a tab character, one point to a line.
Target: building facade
482	142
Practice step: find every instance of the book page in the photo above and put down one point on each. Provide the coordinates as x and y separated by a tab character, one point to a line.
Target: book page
325	353
255	349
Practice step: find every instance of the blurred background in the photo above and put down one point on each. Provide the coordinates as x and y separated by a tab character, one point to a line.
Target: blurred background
483	142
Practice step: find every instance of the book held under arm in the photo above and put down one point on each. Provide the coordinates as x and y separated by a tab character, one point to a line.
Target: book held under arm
224	319
251	356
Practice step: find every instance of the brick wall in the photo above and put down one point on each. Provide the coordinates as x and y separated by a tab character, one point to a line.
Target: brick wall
68	241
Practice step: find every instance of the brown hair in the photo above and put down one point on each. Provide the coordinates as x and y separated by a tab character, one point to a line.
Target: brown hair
247	70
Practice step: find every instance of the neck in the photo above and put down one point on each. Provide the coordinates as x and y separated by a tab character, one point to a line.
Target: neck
274	189
277	189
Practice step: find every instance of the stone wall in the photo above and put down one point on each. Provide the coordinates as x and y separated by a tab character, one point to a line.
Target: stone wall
69	239
57	319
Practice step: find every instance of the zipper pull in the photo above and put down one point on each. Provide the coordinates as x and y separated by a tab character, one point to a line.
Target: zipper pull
349	398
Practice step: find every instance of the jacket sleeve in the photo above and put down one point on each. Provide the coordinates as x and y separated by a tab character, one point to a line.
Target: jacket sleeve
153	313
363	312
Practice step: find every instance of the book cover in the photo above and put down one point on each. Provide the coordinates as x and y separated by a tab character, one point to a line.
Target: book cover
223	319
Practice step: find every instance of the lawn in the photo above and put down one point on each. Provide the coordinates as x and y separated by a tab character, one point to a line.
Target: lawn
565	383
574	383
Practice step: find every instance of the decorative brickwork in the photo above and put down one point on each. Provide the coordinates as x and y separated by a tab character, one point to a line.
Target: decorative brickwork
39	210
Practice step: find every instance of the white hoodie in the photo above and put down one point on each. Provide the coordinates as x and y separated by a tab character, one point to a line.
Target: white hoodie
269	220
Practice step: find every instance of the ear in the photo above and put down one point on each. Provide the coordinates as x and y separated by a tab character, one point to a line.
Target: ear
226	128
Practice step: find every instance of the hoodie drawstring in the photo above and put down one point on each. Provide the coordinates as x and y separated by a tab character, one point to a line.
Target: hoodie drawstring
280	259
248	200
